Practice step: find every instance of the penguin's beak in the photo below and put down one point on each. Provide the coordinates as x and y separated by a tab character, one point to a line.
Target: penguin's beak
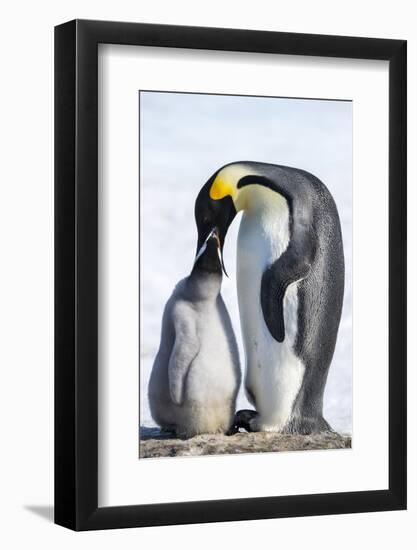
220	244
213	218
213	234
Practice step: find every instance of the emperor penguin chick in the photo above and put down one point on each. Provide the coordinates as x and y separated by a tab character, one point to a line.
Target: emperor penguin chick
196	374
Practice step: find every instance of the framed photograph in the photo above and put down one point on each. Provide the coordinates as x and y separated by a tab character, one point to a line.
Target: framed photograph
230	284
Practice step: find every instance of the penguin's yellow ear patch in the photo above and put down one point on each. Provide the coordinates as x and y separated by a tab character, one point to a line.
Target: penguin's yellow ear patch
220	189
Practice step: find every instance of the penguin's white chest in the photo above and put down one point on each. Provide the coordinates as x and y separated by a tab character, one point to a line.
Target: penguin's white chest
273	372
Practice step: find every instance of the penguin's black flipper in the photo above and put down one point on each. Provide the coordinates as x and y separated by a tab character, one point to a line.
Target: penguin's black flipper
288	269
272	301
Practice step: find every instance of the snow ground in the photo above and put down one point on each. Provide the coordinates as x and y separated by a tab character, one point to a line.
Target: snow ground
184	139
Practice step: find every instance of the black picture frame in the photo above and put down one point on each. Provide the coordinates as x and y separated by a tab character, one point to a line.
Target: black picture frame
76	272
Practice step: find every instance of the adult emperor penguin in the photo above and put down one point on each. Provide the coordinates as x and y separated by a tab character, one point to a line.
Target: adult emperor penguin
196	374
290	282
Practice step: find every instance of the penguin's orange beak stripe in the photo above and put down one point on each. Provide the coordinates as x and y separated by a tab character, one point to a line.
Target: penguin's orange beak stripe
221	189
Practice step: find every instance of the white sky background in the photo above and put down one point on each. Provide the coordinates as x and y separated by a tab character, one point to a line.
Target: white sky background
184	139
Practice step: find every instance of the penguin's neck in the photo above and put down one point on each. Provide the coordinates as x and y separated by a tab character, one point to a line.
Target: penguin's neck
204	285
265	221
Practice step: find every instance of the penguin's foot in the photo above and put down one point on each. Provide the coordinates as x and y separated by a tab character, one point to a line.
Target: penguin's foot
232	430
168	430
246	419
306	425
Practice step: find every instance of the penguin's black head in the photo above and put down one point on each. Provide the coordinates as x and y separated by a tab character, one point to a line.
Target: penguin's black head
213	216
208	258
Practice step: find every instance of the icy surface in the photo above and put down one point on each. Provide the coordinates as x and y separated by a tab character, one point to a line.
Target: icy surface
261	442
184	139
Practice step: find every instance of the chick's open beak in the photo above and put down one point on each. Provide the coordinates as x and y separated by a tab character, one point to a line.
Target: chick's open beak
213	234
